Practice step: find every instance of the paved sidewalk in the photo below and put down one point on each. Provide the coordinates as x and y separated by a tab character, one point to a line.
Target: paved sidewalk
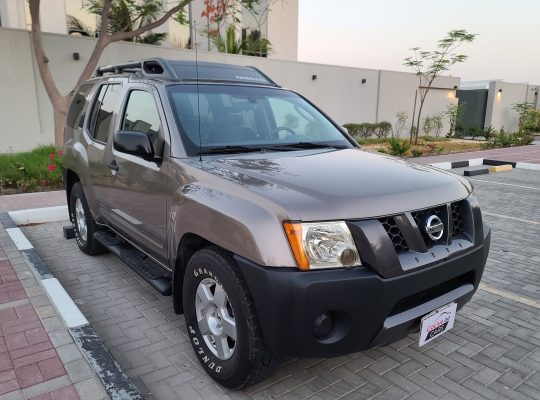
24	201
38	358
527	154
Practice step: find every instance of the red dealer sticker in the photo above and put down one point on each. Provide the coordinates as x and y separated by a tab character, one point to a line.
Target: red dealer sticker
437	322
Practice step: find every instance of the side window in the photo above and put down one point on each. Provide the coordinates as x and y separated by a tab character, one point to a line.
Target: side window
141	115
77	105
103	111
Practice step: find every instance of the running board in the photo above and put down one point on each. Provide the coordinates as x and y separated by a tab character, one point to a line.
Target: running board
139	262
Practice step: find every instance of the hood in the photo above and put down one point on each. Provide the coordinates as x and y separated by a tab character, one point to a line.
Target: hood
332	184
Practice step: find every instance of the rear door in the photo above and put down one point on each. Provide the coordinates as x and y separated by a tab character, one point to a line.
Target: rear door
138	188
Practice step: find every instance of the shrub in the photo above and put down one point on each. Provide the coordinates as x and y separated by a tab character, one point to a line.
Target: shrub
382	129
501	139
398	147
26	171
416	153
437	122
427	126
489	133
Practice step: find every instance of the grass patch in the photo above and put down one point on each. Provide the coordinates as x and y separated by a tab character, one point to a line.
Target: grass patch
36	170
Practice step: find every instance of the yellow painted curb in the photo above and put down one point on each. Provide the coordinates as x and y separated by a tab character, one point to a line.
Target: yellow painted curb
500	168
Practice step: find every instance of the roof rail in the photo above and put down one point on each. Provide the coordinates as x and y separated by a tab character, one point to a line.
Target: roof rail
189	71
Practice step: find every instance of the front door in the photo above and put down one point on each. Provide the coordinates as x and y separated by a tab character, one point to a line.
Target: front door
137	194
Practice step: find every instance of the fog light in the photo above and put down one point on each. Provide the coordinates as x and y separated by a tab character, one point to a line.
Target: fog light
348	257
322	325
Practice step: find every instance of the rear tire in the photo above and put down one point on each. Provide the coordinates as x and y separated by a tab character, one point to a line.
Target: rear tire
83	222
222	322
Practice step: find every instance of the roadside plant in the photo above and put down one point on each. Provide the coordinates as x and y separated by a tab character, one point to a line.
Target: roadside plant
427	127
437	122
488	133
382	129
428	65
416	153
399	125
398	147
453	113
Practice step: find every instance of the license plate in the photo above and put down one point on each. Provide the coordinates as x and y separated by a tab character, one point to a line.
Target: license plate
437	322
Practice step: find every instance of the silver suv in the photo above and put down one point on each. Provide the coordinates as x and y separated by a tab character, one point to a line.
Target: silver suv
275	234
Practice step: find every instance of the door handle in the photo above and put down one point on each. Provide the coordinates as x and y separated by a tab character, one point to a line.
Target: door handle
113	165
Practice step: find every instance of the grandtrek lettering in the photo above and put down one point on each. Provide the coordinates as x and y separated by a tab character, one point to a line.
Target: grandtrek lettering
249	78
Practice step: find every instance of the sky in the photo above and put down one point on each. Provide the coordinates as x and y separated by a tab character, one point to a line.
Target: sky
378	34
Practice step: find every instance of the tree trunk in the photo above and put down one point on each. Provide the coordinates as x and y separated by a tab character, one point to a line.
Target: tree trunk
422	99
60	108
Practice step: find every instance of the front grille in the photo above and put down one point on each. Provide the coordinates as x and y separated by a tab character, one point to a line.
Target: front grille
457	210
391	228
457	217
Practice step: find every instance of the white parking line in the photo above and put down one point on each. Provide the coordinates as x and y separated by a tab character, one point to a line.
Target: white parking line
65	306
527	221
504	184
19	239
509	295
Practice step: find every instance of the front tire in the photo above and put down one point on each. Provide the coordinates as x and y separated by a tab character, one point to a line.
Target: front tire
221	321
83	222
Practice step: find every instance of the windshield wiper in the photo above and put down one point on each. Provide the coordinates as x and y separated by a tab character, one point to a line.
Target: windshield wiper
230	150
308	145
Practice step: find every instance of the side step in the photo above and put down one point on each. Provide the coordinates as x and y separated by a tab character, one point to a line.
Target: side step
139	262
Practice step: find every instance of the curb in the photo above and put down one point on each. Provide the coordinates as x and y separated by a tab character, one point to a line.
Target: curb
475	162
115	382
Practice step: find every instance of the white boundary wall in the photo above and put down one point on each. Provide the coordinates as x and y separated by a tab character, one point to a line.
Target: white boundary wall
26	113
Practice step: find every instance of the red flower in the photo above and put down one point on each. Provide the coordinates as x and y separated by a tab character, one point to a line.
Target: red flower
51	167
52	156
59	153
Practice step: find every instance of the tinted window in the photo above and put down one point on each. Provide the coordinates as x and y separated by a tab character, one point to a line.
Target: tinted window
247	116
103	111
77	104
142	116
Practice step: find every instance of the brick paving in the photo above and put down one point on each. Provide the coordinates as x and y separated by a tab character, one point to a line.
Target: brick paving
528	154
38	359
492	352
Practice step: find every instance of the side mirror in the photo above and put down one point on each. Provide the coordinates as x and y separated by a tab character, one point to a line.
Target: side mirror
134	143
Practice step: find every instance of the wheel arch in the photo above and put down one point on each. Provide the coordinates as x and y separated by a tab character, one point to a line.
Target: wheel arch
70	178
189	244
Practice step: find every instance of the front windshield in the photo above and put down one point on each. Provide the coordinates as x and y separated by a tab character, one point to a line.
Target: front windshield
252	117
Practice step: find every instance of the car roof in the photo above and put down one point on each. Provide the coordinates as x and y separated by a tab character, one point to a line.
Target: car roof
175	71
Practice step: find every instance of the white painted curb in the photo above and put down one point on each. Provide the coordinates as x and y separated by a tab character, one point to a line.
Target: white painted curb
475	162
65	306
19	239
39	215
442	165
523	165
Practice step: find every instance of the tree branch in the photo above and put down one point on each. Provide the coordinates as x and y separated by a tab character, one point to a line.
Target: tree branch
41	59
101	43
145	28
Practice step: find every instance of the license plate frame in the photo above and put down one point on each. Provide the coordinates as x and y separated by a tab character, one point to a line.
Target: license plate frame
437	322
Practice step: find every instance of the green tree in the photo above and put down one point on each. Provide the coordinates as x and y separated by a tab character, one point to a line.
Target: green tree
428	65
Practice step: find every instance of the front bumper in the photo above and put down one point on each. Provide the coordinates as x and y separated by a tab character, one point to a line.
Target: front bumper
367	310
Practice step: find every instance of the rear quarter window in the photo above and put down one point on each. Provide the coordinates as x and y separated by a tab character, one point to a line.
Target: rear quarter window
76	108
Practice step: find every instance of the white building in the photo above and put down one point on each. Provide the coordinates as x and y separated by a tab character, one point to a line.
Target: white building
276	21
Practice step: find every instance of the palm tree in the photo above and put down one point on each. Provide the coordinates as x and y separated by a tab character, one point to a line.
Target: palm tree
130	15
76	27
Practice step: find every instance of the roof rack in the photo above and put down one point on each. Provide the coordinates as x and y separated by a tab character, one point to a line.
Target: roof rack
190	71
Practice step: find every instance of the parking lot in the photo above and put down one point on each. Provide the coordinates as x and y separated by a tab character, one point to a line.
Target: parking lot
492	352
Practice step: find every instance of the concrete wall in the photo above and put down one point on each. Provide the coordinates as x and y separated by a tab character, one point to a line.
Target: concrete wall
501	98
339	91
397	93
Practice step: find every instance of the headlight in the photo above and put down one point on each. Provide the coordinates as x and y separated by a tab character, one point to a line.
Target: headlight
317	245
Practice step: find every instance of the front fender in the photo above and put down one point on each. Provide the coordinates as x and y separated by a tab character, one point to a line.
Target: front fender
244	223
